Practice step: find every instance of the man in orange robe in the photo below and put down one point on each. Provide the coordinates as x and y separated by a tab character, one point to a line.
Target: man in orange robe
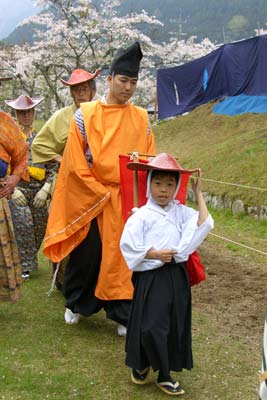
85	219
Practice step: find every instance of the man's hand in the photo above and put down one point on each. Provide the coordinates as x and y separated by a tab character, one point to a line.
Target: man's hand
8	185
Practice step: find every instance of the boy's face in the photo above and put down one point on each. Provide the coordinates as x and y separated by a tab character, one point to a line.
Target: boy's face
162	188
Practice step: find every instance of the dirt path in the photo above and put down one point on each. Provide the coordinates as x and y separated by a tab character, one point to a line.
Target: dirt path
234	294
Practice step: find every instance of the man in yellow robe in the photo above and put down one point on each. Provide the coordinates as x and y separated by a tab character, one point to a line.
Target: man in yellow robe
85	219
49	143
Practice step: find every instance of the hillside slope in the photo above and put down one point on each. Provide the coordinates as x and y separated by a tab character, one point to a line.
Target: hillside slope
228	149
219	20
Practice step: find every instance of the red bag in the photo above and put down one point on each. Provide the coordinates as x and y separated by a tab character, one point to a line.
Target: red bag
195	269
194	266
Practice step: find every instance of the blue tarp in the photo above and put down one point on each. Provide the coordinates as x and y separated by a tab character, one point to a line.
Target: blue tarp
241	104
230	70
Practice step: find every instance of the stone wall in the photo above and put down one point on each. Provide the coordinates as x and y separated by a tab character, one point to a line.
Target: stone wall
236	206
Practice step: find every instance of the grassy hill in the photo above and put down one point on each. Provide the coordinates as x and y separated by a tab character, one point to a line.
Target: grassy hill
228	149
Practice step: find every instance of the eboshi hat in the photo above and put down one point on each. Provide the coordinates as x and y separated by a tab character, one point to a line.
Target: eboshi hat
127	61
79	76
24	102
163	162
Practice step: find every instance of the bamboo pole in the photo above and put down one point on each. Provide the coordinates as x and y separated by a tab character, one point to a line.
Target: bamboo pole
135	157
135	188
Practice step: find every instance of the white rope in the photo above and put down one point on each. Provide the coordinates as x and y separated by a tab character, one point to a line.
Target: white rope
234	184
53	283
238	244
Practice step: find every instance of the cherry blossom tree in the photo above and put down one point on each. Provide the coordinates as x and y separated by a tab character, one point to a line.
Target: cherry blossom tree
71	34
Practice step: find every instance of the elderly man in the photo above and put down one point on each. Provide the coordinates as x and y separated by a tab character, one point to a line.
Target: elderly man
86	219
49	144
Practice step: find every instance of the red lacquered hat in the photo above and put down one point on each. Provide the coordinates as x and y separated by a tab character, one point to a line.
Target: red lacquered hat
24	102
164	162
80	76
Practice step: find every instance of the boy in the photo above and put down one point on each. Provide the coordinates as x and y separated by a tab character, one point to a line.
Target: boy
156	242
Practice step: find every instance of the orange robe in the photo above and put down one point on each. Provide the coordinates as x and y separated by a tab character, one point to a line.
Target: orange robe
14	151
13	148
83	192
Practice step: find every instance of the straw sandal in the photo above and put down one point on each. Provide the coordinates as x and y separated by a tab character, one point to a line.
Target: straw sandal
170	387
140	377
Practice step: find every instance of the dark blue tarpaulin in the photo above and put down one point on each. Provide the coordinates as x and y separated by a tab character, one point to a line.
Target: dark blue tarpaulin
230	70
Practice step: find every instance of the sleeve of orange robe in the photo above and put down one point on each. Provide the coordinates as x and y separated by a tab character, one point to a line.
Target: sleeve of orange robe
151	147
13	148
77	199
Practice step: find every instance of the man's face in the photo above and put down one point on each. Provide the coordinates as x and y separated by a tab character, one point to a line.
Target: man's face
121	88
82	92
25	117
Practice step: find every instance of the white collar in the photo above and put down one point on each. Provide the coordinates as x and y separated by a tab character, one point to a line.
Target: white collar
161	210
104	100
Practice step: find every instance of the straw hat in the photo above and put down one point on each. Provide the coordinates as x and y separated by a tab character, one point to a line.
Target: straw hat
80	76
24	102
163	162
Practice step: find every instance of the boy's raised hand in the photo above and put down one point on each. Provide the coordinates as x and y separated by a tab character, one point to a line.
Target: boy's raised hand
196	182
196	187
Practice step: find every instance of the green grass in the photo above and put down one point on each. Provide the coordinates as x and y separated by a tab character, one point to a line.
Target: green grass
228	149
43	358
239	228
242	229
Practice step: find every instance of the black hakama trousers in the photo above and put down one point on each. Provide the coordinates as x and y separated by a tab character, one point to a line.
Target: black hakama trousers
80	279
159	328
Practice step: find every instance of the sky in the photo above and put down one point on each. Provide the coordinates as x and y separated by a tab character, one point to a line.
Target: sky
14	11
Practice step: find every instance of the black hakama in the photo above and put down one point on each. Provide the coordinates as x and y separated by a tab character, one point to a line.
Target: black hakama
80	279
159	327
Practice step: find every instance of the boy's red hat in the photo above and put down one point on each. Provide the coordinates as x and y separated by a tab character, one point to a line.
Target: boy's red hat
163	162
80	76
24	102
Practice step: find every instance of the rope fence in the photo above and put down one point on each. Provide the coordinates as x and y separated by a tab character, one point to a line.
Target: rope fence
224	238
222	183
238	244
234	184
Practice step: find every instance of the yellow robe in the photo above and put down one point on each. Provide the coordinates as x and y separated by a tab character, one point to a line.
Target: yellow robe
83	193
50	141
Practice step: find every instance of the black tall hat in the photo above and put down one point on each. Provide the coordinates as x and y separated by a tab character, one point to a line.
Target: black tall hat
127	61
